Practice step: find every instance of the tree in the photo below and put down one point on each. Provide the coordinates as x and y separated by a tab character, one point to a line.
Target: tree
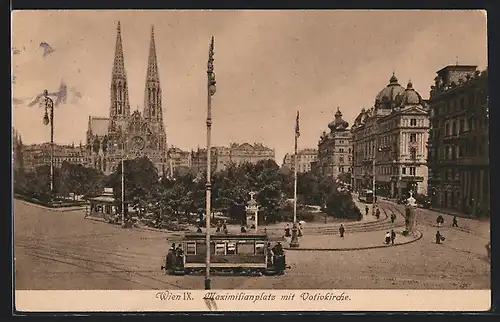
140	177
344	177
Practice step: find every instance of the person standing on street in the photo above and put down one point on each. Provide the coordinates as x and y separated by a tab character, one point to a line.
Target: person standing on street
393	236
439	237
387	238
377	213
366	210
341	231
455	222
393	218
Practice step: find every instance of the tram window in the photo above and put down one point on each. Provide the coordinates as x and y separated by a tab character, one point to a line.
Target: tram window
246	248
190	248
231	249
220	249
259	248
201	248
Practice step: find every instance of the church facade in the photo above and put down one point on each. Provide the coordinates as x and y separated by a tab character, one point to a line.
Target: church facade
124	134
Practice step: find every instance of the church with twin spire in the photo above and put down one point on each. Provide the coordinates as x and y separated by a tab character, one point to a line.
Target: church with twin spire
126	134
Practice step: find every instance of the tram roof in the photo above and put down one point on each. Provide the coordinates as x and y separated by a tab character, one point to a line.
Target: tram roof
219	236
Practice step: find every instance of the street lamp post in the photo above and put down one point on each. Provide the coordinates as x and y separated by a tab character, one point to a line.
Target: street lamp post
49	107
294	242
123	184
210	91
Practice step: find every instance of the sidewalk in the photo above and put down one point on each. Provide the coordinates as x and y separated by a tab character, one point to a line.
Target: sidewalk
355	241
61	209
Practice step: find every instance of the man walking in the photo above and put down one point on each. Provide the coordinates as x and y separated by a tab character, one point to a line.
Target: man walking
455	222
341	231
366	210
393	236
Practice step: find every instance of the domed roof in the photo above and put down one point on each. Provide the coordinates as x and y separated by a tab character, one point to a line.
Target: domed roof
338	123
410	96
386	98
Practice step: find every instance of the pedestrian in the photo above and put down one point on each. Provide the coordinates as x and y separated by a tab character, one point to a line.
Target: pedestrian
387	238
341	231
218	227
439	237
393	236
377	213
440	220
243	229
300	230
224	227
455	222
393	218
366	210
287	231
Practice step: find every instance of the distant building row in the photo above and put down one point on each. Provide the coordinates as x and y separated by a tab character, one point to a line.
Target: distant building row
32	156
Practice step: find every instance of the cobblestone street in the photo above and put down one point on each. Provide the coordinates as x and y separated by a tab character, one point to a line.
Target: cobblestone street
62	250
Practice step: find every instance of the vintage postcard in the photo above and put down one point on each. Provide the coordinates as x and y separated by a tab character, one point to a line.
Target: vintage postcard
277	160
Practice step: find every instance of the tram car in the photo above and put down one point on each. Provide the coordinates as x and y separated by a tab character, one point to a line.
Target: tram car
233	254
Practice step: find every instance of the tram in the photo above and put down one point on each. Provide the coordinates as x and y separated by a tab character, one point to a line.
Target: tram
366	196
246	254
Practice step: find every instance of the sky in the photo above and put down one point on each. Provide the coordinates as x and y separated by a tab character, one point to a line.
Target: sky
268	65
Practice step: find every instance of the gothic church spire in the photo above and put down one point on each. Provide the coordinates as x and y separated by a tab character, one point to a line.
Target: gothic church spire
120	107
152	94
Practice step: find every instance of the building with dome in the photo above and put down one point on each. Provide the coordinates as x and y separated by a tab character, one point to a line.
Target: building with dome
335	149
125	134
459	168
390	141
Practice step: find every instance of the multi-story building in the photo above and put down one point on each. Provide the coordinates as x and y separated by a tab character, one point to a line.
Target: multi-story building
304	159
126	134
178	160
458	142
390	142
36	155
335	149
234	154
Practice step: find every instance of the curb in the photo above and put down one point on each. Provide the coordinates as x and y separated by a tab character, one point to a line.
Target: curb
353	248
62	209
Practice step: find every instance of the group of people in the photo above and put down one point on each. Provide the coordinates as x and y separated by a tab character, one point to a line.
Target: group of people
221	226
175	257
390	237
276	257
288	231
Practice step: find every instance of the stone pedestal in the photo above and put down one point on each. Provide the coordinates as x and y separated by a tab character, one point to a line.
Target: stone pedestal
294	243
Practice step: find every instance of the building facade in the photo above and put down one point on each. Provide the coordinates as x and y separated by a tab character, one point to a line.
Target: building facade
178	160
458	142
390	142
36	155
335	149
305	158
234	154
125	134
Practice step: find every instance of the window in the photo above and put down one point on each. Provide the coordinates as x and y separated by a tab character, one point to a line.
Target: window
341	150
191	249
413	137
341	169
413	122
412	171
461	126
413	153
245	248
220	249
259	248
454	128
231	248
341	159
403	170
447	129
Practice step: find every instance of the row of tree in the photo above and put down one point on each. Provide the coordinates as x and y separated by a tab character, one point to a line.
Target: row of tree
147	191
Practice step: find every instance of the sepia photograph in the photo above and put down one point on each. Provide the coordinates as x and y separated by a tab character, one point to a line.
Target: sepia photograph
250	152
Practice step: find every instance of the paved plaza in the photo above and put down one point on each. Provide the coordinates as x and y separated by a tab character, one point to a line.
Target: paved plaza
62	250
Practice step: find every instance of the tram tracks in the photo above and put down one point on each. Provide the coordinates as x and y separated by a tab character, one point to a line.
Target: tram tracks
116	265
